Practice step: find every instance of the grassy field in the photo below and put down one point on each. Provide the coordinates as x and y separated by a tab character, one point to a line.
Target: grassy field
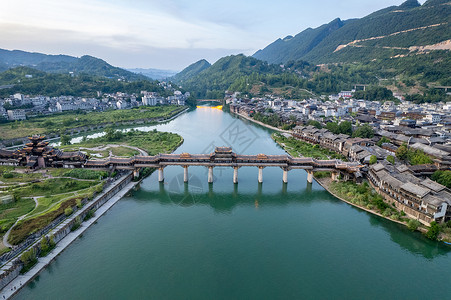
152	142
298	148
123	151
10	176
10	212
55	189
52	186
63	121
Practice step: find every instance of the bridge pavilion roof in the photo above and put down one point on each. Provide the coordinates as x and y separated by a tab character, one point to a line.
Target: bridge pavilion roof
260	157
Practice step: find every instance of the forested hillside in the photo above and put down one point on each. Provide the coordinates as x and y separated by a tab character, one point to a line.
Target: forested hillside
299	79
214	80
64	64
191	71
48	84
382	34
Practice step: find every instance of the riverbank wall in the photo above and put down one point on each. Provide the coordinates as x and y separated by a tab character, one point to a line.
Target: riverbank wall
10	278
261	123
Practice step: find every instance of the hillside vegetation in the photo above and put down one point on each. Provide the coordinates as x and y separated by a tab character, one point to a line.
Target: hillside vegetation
300	79
191	71
85	85
63	64
403	49
395	27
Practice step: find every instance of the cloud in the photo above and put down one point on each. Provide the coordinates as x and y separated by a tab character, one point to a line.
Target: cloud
185	29
131	54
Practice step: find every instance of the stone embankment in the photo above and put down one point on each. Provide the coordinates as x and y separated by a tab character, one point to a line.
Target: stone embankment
261	123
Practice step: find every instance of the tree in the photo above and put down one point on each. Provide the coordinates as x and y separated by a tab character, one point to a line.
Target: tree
433	231
413	224
365	131
391	159
345	128
332	127
65	139
68	211
373	159
402	152
442	177
383	140
112	134
315	124
418	157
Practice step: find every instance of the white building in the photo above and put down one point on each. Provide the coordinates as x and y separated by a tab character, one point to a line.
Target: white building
149	100
345	94
122	104
64	106
18	96
16	114
433	118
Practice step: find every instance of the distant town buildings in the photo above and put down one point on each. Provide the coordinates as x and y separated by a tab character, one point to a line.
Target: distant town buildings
18	106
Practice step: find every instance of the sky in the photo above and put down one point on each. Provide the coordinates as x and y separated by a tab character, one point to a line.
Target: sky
165	34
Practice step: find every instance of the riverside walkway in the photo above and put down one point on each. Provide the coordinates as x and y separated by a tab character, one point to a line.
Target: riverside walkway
225	157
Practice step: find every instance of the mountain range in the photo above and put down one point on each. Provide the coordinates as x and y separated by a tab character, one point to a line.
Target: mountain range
393	31
403	48
64	64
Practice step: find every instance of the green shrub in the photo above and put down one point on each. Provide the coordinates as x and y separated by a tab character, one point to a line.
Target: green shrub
79	204
413	224
8	175
29	259
391	159
89	215
373	159
433	231
47	244
68	211
77	224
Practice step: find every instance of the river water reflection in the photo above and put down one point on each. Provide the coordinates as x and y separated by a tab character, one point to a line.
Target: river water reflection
248	241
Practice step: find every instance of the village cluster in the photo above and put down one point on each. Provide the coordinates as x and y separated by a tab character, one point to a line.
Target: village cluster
20	107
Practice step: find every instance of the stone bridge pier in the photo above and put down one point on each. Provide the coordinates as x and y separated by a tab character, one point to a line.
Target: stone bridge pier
285	175
185	173
309	176
210	174
235	175
260	174
160	174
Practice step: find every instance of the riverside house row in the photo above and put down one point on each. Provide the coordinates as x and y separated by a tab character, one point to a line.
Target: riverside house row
407	187
421	199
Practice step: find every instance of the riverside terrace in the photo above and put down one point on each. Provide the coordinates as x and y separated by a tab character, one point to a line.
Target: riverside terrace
224	157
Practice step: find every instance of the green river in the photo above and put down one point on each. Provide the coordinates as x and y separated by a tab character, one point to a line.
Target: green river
244	241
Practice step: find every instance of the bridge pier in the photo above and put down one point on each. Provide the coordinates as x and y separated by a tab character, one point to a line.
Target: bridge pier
309	176
260	174
135	173
185	173
285	175
235	174
210	174
160	174
335	176
346	176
